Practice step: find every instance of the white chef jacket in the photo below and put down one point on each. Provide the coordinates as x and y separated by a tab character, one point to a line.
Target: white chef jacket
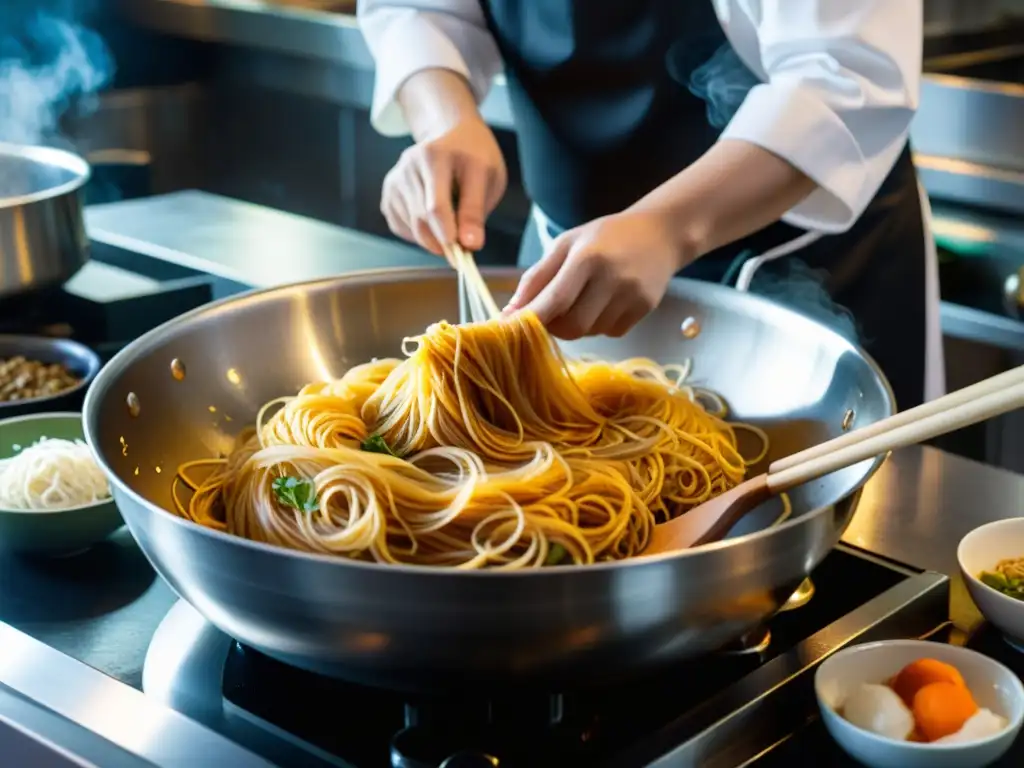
840	81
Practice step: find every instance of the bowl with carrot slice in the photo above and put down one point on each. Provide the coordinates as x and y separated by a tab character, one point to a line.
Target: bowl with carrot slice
918	704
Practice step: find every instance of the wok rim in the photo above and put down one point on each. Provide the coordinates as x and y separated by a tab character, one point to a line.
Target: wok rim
109	373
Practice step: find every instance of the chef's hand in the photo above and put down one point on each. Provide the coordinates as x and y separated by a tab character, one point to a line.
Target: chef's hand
604	277
418	195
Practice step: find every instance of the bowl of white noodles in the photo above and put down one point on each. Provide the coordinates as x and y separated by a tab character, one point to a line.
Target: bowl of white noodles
54	498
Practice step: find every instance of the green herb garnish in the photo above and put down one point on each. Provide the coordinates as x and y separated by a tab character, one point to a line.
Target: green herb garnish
377	444
296	492
1009	586
556	555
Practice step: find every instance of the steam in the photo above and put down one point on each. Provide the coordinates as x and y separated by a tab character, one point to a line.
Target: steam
792	282
723	82
53	65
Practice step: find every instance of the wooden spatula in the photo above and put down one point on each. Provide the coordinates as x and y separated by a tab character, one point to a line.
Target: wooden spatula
713	519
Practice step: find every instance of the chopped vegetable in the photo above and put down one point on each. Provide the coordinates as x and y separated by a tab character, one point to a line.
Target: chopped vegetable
377	444
556	555
922	672
1009	586
941	709
296	492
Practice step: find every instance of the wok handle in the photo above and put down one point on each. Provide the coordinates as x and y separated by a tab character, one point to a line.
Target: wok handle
897	433
965	395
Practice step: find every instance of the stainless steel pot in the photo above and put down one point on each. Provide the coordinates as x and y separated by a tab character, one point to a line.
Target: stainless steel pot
42	234
413	627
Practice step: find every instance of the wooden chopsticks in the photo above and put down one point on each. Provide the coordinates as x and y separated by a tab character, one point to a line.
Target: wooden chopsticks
476	303
992	397
952	400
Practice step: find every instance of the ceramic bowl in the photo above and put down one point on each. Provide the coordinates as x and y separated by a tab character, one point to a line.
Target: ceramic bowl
77	358
979	551
57	532
993	686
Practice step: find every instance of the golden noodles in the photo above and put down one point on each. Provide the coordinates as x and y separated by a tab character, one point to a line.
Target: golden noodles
483	448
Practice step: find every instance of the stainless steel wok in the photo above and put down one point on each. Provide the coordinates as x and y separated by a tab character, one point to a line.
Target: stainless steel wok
412	627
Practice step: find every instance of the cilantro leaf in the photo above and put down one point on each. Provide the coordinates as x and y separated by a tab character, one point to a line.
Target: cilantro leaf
377	444
296	492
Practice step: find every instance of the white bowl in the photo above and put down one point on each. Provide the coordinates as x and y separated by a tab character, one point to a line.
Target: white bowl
979	551
994	687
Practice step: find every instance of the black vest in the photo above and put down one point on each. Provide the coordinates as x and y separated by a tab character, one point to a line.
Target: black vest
601	99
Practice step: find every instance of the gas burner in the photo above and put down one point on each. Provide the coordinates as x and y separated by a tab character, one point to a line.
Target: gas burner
754	643
800	598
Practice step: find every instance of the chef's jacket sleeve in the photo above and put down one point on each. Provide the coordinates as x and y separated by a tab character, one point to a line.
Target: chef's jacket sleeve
408	37
842	81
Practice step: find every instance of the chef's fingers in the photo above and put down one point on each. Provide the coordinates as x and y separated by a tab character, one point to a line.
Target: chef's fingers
617	320
497	181
408	186
396	213
582	317
472	211
435	179
562	290
540	274
426	239
423	234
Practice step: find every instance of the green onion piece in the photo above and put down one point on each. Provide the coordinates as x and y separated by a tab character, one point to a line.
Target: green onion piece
296	492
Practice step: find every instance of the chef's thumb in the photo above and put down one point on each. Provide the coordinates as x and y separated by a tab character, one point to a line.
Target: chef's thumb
539	275
470	215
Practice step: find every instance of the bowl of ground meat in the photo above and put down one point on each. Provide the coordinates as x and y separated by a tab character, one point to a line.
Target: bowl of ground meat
39	374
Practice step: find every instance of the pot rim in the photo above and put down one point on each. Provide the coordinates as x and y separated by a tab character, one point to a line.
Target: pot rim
47	156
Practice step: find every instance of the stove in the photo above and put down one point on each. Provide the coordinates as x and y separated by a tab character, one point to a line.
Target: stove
734	708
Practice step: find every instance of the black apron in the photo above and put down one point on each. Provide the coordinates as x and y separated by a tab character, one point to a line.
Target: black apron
610	100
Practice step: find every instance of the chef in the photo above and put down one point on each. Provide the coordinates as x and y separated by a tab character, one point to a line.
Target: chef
742	141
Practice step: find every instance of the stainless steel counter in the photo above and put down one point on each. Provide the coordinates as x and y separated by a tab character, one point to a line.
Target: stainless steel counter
923	501
249	245
57	712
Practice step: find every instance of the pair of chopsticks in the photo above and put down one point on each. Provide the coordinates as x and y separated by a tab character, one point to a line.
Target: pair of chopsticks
978	402
714	518
476	304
